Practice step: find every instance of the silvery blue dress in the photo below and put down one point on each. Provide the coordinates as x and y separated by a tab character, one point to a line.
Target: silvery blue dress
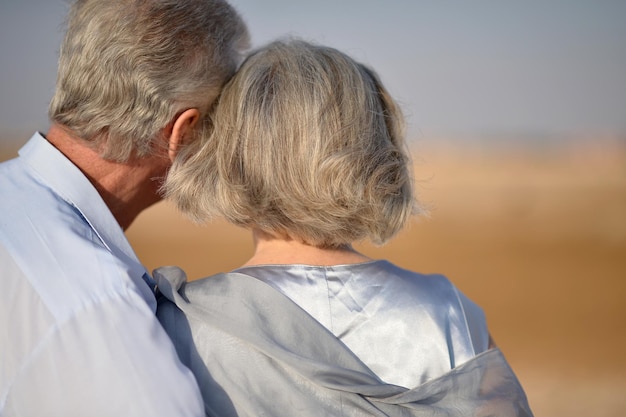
406	327
348	340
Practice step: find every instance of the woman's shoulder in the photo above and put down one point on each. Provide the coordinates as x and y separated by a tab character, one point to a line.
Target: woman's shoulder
423	281
431	289
437	294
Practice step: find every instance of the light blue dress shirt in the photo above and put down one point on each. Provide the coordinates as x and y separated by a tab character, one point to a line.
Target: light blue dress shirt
78	332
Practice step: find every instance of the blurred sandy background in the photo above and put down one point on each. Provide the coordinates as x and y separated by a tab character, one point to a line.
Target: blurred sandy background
536	234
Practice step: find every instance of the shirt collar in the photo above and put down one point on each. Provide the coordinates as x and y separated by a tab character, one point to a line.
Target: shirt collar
72	186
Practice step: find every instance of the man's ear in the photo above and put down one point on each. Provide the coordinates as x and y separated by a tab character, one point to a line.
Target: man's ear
182	126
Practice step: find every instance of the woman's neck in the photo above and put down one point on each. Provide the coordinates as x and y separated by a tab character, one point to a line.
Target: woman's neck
270	250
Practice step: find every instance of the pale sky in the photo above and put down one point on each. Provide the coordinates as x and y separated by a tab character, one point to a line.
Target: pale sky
456	67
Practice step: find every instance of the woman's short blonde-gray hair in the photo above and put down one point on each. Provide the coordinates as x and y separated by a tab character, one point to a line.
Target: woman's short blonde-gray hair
304	143
128	67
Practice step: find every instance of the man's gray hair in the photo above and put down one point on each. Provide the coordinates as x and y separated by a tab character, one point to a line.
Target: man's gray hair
128	67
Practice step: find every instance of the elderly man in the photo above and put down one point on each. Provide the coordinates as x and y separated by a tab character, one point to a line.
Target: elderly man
78	334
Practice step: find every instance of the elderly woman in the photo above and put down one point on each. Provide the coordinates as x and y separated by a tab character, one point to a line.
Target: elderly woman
305	148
